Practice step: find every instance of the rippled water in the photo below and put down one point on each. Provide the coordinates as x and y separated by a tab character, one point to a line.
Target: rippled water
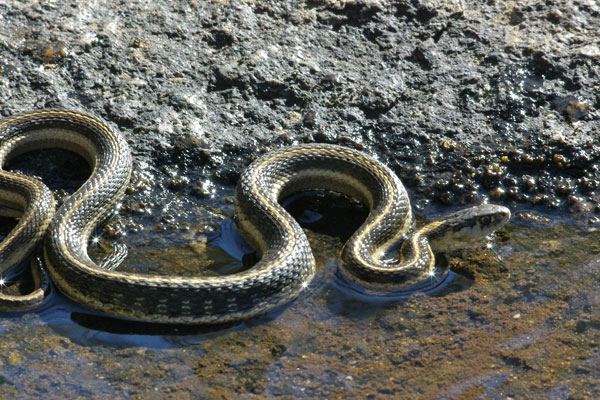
518	319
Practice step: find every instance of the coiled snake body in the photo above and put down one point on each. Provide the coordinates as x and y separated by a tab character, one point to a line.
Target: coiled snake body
286	264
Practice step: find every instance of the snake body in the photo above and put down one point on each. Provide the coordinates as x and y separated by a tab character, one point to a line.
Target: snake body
286	265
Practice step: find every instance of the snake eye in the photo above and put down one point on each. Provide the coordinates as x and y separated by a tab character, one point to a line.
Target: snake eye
485	220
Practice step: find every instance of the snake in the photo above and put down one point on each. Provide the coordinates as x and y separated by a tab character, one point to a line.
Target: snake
286	266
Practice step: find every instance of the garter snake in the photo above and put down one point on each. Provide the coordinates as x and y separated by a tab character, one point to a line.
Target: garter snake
286	265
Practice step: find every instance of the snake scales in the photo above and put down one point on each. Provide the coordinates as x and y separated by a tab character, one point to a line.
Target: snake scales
286	264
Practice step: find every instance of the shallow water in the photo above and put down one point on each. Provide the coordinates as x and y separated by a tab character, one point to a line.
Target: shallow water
518	319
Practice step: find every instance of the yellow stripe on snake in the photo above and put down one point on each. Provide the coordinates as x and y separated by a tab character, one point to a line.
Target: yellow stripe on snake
286	265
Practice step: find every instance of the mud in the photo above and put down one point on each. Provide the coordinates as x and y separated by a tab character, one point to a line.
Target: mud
525	327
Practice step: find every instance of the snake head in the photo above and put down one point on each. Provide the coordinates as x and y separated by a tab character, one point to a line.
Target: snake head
469	224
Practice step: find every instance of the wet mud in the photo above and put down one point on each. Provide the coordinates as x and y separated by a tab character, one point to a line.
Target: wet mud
517	320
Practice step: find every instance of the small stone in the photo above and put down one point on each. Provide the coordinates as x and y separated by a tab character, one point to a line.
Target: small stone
497	193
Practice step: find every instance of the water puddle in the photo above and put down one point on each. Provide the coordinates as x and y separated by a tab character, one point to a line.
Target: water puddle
517	318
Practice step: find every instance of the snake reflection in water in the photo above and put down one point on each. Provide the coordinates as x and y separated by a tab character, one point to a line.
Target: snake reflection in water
286	265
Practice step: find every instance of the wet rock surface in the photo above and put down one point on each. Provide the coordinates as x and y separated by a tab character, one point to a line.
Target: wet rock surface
467	102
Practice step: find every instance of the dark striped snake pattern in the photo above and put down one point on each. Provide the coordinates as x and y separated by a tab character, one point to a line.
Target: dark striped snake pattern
286	265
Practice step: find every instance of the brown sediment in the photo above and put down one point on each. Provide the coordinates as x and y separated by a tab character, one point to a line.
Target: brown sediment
530	328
